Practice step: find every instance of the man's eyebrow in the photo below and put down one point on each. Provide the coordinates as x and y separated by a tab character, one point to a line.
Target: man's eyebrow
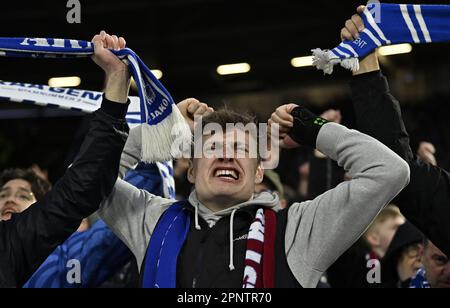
5	188
25	190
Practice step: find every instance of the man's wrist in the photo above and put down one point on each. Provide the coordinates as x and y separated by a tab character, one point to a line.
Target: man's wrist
117	86
306	126
368	64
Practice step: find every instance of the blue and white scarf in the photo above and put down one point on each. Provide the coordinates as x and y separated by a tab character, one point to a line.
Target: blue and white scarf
419	281
160	263
82	101
162	121
151	176
387	24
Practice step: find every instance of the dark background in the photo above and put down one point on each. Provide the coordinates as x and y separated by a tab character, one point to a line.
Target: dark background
187	40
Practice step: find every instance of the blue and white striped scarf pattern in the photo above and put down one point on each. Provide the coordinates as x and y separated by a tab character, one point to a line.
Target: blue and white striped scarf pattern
158	111
84	101
166	172
398	23
419	281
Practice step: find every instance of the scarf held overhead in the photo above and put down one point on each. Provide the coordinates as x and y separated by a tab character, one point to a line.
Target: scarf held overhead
387	24
162	121
81	101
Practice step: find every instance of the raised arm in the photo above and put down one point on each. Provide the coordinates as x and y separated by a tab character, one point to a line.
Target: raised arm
324	173
426	200
35	233
319	231
132	213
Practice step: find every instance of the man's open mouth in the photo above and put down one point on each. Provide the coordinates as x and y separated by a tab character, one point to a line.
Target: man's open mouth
227	173
8	212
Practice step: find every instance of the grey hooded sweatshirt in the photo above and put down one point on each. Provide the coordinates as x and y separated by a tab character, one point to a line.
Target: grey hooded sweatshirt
317	231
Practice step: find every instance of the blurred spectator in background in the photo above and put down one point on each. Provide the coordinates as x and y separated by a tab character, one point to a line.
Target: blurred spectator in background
272	183
381	232
84	226
20	188
351	269
288	169
28	238
42	173
402	265
303	180
104	260
183	187
403	258
332	115
86	259
426	152
435	272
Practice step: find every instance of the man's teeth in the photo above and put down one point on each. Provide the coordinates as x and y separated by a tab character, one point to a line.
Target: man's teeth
227	173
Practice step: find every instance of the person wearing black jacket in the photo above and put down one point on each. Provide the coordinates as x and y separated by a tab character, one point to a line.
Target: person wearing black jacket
28	238
426	200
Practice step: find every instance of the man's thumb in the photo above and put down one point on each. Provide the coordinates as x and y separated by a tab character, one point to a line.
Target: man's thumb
361	9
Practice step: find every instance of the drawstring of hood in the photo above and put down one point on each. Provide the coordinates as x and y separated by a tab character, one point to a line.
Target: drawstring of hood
197	225
231	266
264	199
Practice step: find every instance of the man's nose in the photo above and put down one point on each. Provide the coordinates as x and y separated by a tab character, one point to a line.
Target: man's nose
447	271
228	152
226	159
11	201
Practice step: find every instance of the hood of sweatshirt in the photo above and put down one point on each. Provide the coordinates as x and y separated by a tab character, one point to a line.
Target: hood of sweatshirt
263	200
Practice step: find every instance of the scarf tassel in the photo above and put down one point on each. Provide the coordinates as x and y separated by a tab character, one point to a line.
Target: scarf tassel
160	145
325	60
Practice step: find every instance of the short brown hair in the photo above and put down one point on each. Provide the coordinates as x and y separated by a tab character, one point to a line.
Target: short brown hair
226	116
39	186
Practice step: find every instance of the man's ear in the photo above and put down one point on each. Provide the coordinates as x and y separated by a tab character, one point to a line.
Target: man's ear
373	239
191	172
259	175
421	251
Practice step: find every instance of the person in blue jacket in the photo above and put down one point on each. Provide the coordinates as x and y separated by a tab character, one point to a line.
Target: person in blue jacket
88	259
